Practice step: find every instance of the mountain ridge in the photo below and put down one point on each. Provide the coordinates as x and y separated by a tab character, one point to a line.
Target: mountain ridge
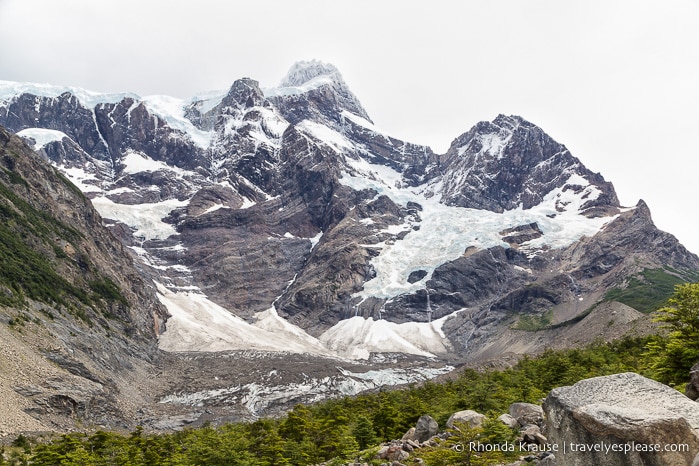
251	157
289	217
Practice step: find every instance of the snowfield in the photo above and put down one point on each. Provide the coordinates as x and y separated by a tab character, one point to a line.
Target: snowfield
357	337
145	219
198	324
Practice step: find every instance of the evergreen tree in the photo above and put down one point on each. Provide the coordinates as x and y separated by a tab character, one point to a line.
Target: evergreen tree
266	442
364	432
385	418
672	357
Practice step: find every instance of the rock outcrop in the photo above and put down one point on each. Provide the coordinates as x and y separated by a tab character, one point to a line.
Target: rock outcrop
622	419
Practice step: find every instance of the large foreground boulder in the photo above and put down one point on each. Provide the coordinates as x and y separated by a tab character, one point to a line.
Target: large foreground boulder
622	419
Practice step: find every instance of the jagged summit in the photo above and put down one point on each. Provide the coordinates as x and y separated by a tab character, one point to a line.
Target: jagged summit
302	72
11	89
244	92
510	121
315	90
509	162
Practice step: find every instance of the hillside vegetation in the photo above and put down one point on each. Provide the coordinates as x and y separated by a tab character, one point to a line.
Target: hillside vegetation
343	429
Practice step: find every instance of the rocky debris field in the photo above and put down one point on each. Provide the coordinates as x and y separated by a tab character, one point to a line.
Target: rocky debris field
19	368
244	385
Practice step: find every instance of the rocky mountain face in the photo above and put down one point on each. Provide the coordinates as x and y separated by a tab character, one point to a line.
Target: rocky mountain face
80	322
284	220
510	163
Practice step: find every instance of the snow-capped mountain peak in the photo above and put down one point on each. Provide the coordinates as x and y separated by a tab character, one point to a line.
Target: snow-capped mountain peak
302	72
284	220
509	162
315	90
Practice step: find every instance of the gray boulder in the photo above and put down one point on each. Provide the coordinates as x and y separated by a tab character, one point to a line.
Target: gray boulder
532	434
527	413
425	429
508	420
409	435
620	419
472	418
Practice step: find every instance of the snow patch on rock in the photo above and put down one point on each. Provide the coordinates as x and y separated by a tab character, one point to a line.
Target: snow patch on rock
42	136
145	219
328	136
82	179
137	162
172	110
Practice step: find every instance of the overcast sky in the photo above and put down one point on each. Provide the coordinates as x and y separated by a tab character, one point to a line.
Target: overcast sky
617	82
